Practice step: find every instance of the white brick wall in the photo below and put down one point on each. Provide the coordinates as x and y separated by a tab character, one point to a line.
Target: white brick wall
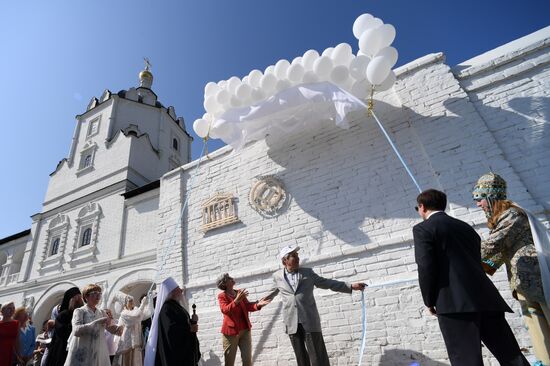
351	213
512	97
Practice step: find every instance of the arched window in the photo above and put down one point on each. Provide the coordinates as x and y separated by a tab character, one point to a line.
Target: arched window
175	144
87	161
86	237
55	246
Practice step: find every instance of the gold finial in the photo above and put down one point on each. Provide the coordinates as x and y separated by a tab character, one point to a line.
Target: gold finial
145	76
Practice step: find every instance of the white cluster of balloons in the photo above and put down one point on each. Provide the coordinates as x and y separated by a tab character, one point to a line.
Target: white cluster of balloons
356	74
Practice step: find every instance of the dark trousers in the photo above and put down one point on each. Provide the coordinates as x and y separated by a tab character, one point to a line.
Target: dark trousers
309	348
464	332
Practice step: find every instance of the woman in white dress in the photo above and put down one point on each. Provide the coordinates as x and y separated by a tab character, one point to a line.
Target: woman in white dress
130	346
87	345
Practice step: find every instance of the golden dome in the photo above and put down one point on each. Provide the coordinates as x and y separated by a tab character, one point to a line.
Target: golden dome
145	74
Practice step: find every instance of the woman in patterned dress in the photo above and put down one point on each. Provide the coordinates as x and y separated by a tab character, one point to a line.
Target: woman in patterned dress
510	242
87	344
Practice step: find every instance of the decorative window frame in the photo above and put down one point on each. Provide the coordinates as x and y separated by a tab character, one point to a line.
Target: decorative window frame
58	228
89	149
219	211
88	217
89	132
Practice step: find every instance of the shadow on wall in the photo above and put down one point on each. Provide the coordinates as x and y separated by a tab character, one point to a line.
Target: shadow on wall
213	360
523	134
406	357
351	181
266	331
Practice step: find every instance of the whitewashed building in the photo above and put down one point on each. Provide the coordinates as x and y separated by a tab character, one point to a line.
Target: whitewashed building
112	213
99	218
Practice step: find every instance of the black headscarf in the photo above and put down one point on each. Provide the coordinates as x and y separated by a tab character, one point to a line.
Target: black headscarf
67	298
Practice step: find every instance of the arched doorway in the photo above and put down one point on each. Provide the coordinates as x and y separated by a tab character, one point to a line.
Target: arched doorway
135	283
49	299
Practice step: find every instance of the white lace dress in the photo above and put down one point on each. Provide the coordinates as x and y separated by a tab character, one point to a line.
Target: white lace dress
87	345
131	342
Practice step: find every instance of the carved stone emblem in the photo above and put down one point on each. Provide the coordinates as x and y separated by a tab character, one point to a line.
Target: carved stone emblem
268	196
219	211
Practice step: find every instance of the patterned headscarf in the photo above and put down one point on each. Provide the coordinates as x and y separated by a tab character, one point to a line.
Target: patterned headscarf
492	187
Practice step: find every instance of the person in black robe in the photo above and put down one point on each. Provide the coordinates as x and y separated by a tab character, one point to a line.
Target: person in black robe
177	340
57	353
173	338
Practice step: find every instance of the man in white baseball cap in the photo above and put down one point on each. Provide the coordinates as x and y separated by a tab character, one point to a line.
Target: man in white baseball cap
300	314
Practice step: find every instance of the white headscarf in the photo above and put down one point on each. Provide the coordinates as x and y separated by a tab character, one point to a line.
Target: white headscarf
167	286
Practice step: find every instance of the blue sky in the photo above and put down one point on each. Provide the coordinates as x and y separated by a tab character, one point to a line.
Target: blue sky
56	55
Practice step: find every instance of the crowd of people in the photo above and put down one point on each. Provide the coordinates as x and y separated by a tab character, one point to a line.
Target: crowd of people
453	264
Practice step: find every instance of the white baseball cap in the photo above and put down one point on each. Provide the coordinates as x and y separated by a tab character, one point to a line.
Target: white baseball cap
287	250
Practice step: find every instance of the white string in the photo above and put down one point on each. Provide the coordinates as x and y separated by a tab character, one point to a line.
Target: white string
397	152
180	219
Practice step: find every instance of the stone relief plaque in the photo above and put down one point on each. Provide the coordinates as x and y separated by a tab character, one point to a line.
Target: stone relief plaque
218	211
268	196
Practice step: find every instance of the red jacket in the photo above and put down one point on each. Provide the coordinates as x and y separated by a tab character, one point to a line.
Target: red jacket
232	319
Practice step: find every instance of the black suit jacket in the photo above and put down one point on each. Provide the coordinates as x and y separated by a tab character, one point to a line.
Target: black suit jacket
447	252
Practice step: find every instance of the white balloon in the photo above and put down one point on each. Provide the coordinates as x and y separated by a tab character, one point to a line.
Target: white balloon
387	32
222	96
310	77
257	95
328	52
211	105
207	117
267	82
361	88
222	129
360	24
235	102
222	83
201	127
295	73
390	54
245	80
374	23
309	58
297	60
280	68
348	84
254	78
283	84
233	83
210	89
269	70
243	92
322	66
342	54
358	67
370	41
378	70
388	82
339	74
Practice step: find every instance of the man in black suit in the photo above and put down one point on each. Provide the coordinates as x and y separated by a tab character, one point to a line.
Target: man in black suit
454	287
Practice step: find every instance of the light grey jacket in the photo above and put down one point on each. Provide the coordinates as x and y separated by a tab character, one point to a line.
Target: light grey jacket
300	306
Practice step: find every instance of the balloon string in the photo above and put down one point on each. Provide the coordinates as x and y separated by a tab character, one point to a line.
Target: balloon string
363	327
364	311
396	151
186	202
